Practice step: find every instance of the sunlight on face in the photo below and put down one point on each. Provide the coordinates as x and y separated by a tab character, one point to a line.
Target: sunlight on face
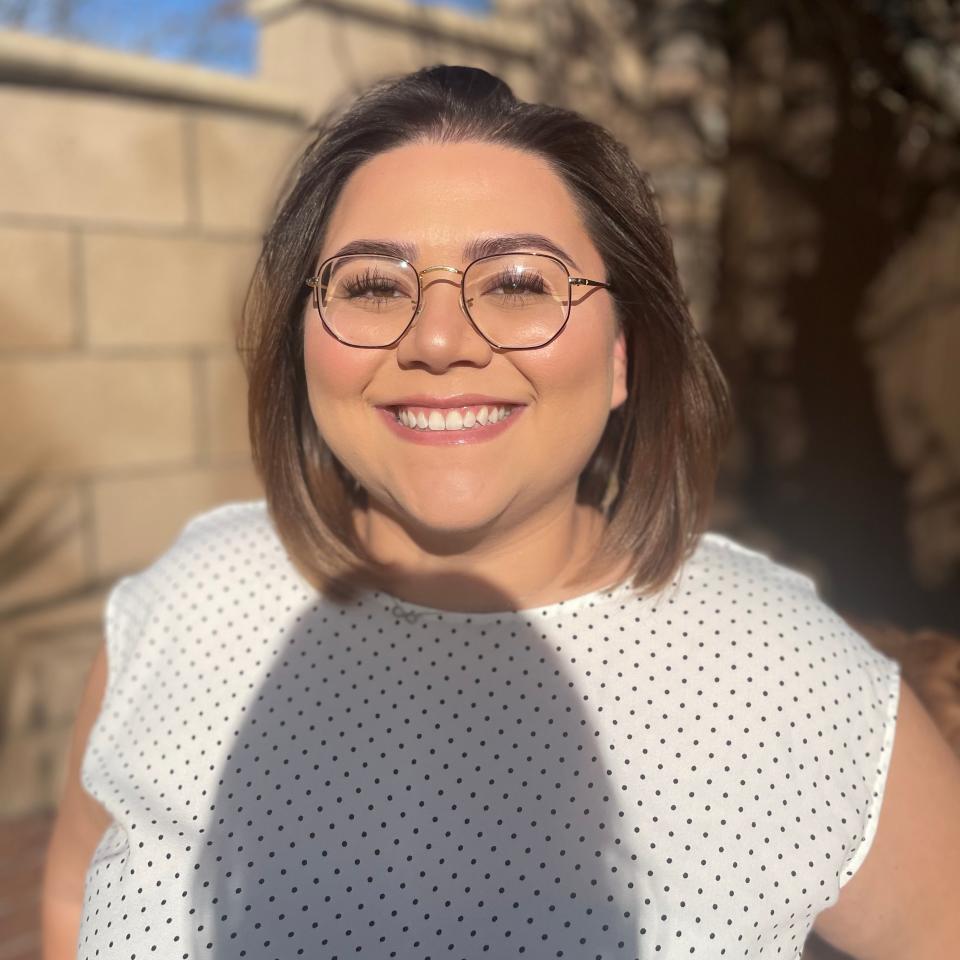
440	197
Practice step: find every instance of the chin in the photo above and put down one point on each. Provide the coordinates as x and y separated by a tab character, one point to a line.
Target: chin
445	509
452	523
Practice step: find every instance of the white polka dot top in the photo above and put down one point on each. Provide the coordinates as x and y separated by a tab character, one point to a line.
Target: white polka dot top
694	773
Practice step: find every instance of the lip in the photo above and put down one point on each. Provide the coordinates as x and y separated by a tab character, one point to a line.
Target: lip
448	437
455	400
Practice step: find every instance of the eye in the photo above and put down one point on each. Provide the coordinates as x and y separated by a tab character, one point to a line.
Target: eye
370	282
515	281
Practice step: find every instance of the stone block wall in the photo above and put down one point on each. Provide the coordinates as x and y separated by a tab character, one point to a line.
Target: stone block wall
129	231
322	51
129	225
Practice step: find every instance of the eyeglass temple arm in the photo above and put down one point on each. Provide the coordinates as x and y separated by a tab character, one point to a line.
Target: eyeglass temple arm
583	281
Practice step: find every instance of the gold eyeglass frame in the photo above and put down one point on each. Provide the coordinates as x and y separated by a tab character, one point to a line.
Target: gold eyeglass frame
314	282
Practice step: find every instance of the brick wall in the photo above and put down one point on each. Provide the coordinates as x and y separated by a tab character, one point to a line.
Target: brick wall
133	194
128	228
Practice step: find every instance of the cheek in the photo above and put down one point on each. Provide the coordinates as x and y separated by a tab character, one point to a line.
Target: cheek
577	372
335	374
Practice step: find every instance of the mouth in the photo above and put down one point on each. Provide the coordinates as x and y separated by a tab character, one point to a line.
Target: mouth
451	425
444	419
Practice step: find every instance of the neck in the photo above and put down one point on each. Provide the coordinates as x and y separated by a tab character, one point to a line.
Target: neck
535	563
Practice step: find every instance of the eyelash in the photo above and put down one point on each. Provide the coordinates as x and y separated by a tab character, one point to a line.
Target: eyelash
370	281
527	284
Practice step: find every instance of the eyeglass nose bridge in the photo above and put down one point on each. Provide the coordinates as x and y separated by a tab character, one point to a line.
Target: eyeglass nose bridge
449	269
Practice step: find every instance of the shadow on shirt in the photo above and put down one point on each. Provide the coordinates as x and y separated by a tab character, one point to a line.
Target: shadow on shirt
415	784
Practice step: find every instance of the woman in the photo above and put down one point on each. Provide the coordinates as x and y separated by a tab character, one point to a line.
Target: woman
472	680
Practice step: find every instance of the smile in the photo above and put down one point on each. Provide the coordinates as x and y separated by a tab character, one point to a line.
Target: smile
453	425
456	418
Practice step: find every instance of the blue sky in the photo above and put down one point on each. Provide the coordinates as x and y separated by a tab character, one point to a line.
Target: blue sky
173	29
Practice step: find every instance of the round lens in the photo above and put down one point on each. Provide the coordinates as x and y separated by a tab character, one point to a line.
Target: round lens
517	300
367	300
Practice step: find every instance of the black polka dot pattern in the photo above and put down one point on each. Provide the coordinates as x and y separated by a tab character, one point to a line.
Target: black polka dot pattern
694	773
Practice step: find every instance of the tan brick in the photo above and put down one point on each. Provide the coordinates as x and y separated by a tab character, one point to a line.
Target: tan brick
43	539
378	38
241	163
76	413
522	77
37	308
129	536
288	45
164	291
77	154
226	408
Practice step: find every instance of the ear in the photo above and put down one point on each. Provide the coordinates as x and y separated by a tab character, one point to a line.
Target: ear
618	394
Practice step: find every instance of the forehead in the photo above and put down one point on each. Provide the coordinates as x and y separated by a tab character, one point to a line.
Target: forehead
441	196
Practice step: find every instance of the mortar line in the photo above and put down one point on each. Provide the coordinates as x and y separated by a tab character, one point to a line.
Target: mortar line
190	164
78	258
201	429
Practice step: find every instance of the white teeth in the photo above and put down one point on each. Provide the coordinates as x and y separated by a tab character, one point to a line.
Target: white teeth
454	419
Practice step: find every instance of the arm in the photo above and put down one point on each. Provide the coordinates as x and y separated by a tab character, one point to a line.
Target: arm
902	902
79	825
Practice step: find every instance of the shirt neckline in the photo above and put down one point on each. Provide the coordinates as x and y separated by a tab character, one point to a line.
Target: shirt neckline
414	612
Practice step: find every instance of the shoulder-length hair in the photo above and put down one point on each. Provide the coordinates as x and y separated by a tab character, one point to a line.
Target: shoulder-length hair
654	468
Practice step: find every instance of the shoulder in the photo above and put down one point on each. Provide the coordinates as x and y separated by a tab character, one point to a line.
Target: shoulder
835	695
217	545
248	520
236	530
727	576
222	560
777	613
724	560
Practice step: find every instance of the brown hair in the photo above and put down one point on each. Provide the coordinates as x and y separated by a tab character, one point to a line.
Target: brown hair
653	471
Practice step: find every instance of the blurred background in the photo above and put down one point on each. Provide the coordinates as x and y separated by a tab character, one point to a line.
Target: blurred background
806	157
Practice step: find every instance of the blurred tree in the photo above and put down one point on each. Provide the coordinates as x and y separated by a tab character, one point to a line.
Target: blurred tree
840	158
806	158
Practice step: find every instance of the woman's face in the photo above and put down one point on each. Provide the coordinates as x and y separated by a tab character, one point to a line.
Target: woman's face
439	198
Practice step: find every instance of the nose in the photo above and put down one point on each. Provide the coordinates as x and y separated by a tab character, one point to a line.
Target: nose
441	334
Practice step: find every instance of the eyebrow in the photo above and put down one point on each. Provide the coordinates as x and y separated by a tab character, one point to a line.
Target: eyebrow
479	247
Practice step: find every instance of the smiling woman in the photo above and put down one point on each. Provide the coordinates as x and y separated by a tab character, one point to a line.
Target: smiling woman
473	680
440	223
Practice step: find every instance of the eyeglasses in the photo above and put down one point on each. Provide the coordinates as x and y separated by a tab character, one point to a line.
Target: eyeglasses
515	301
